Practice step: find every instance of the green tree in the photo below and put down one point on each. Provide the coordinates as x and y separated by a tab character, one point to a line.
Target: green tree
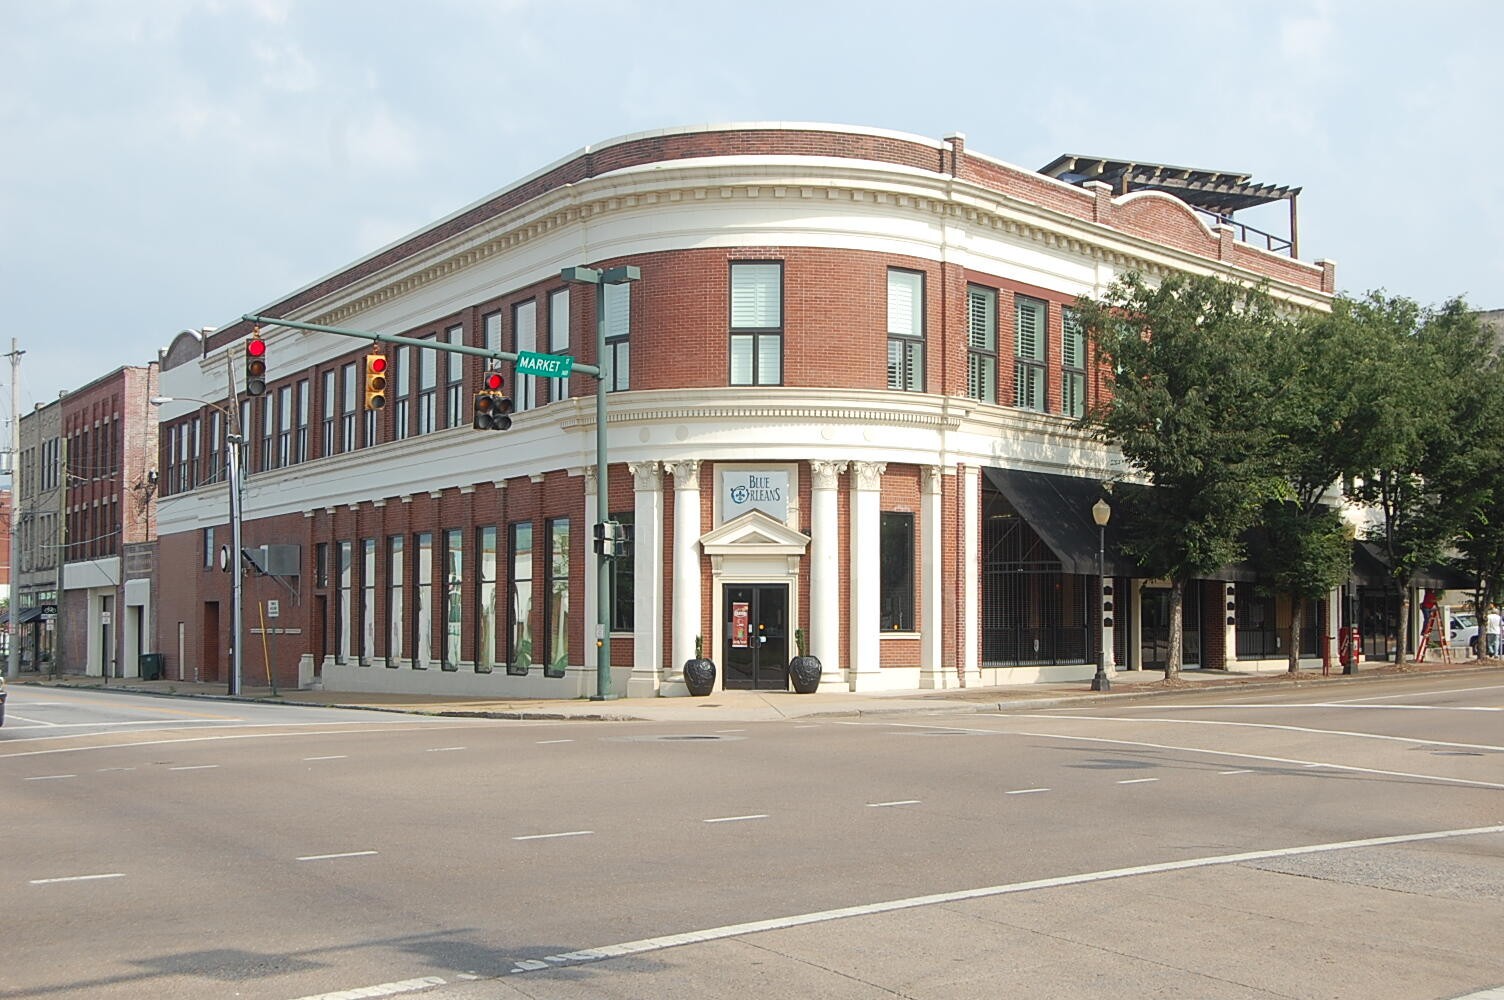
1412	441
1190	381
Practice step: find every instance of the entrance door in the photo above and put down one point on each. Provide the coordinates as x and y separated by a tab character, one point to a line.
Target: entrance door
756	652
1154	627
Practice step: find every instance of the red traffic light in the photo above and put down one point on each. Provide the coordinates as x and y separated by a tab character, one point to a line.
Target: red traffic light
491	382
376	363
255	347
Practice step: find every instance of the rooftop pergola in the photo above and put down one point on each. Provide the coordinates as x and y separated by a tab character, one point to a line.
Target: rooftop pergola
1217	192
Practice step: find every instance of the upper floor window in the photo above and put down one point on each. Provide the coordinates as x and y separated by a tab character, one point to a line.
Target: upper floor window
981	343
428	387
347	407
1029	353
401	391
1072	365
525	336
558	338
905	330
284	426
757	323
328	426
618	306
268	426
454	381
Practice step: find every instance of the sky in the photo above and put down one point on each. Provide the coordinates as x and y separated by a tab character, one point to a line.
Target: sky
167	164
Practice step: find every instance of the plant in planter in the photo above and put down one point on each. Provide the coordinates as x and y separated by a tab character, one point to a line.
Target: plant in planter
804	670
699	673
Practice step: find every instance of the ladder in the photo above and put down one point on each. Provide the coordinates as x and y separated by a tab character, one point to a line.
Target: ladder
1433	630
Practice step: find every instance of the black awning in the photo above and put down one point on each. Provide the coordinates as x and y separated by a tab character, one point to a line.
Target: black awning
28	615
1058	508
1371	569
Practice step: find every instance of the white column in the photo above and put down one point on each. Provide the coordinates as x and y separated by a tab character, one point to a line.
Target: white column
971	583
825	573
647	581
931	556
866	575
592	575
687	531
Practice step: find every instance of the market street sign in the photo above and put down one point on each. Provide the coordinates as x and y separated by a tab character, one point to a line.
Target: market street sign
547	365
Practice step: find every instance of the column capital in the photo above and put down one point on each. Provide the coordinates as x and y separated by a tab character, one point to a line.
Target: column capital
646	476
686	473
823	474
929	478
869	475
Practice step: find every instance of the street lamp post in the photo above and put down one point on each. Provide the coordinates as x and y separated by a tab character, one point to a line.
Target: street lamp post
1101	511
600	278
233	441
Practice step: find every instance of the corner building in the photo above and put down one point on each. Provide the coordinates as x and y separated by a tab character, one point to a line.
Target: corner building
843	399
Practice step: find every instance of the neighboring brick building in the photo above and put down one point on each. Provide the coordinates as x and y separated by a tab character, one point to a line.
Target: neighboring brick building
843	400
88	482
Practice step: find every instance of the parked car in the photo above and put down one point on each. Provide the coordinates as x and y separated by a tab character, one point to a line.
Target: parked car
1462	630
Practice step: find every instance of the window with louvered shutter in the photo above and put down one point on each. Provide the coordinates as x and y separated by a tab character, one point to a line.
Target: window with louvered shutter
905	330
756	349
981	340
1073	365
618	305
1029	350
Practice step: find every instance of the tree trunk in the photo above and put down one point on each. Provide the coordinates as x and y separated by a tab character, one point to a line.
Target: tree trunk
1177	632
1403	636
1297	612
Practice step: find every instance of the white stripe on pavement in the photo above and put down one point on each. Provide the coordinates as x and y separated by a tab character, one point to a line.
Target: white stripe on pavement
382	990
899	802
1136	781
735	819
550	836
76	878
330	857
913	902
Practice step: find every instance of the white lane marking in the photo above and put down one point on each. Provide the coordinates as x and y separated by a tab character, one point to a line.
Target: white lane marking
337	756
1275	726
76	878
913	902
1026	791
1136	781
897	802
445	749
206	739
193	767
1418	694
50	777
142	722
544	743
383	989
1244	770
1497	993
551	836
1273	760
331	857
34	723
731	730
734	819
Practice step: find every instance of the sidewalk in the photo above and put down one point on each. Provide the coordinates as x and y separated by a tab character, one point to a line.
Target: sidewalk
765	706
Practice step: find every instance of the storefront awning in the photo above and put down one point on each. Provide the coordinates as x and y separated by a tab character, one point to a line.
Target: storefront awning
1058	508
1371	569
28	615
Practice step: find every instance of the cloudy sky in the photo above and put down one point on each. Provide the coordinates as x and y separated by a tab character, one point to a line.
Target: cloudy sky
176	163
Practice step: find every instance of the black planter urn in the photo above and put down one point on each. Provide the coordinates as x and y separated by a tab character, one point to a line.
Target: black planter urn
699	676
804	673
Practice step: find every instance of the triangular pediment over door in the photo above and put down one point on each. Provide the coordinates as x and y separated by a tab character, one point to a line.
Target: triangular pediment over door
754	533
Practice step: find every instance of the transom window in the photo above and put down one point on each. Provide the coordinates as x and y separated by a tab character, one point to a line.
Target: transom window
757	323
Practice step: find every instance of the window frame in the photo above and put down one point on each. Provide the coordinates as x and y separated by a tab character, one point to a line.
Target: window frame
897	572
757	335
1031	372
1073	385
907	374
981	358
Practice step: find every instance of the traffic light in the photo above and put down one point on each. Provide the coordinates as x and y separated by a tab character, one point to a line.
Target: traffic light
375	381
493	407
255	364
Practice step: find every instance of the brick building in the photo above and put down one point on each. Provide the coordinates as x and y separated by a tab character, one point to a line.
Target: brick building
88	484
843	399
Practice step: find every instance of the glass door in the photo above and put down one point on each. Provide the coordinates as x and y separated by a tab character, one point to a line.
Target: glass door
755	650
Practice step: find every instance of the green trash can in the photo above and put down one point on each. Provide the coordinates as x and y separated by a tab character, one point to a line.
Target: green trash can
151	666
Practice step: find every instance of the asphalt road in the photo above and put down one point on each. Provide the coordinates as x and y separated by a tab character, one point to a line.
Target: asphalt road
1207	845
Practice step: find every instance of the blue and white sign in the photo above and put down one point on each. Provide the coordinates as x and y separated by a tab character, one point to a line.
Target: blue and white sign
764	491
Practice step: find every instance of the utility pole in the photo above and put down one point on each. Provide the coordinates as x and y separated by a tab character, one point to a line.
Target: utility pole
13	661
62	546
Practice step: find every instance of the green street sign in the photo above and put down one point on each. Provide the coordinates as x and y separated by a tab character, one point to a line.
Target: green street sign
547	365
